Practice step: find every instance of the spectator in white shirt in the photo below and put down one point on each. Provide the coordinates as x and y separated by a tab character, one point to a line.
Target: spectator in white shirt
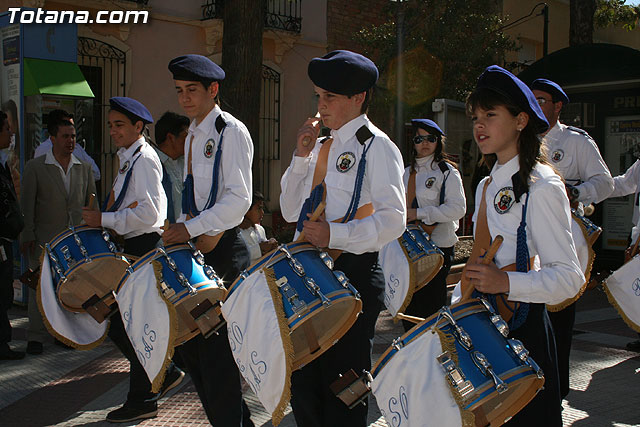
252	232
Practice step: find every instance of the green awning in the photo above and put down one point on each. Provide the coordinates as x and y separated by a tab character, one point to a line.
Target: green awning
46	77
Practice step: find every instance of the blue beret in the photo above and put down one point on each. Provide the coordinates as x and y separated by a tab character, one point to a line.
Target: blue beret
195	68
502	81
131	107
552	88
428	125
343	72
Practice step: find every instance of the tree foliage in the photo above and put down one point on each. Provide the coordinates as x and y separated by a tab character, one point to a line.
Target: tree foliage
616	13
447	44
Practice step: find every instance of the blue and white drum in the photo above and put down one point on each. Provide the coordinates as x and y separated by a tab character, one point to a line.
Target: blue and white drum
320	305
408	263
489	375
85	266
187	283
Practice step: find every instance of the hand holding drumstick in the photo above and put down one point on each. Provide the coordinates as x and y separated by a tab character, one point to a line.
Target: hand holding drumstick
309	224
485	276
307	136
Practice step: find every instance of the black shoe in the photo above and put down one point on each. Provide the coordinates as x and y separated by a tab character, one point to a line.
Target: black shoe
8	354
634	345
34	347
128	413
63	345
171	381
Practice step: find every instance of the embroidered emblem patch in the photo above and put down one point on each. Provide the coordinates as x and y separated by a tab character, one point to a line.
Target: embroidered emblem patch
124	167
208	149
504	199
557	156
430	181
345	161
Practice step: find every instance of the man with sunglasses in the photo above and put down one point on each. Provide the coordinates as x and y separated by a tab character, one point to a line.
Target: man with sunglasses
575	155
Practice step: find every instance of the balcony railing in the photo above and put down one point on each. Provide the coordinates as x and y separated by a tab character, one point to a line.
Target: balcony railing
280	14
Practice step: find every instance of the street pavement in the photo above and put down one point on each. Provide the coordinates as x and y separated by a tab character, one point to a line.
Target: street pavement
78	388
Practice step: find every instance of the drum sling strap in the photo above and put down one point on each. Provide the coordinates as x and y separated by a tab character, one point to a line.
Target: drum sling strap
412	201
513	312
204	243
319	194
112	204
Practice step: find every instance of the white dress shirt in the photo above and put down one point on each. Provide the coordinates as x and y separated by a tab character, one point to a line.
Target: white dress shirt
78	151
575	155
65	174
382	186
628	184
556	274
429	179
253	236
233	199
145	188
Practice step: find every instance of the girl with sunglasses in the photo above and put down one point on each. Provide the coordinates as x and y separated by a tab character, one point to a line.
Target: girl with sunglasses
436	201
525	202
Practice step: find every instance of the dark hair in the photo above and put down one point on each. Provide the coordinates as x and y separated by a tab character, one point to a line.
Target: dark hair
132	117
438	155
56	116
3	117
257	197
170	123
53	128
530	147
367	100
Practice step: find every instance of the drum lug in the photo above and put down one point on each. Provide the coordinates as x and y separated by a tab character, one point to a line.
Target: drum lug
342	279
296	267
168	292
56	265
185	283
110	244
78	241
315	289
326	258
397	343
455	376
523	354
196	254
299	307
483	364
67	255
463	337
500	325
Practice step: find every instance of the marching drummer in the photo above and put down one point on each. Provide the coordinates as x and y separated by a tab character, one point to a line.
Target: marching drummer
524	201
216	195
365	209
135	209
436	200
576	158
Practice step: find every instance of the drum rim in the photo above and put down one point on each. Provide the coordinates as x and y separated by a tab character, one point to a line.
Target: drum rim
84	227
94	257
294	321
467	308
485	391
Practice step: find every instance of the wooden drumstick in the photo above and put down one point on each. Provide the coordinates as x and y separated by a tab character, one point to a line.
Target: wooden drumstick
314	217
92	198
488	257
307	139
412	319
165	227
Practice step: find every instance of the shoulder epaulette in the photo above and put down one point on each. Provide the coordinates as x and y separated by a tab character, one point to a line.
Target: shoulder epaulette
325	139
443	166
363	134
220	123
518	186
580	131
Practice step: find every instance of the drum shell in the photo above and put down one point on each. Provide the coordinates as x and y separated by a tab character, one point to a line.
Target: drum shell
425	258
98	275
474	318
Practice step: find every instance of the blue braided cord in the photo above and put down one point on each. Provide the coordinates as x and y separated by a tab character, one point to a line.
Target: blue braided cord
166	184
310	205
522	265
188	196
123	191
355	198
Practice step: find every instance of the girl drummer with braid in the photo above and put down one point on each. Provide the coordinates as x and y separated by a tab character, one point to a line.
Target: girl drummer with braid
524	201
434	186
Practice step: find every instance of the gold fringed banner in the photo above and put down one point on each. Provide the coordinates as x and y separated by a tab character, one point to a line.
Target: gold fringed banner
156	384
614	303
276	296
448	343
50	328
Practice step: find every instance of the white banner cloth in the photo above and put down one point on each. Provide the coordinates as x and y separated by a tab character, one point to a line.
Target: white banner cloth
623	291
395	267
77	329
256	341
411	389
147	320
